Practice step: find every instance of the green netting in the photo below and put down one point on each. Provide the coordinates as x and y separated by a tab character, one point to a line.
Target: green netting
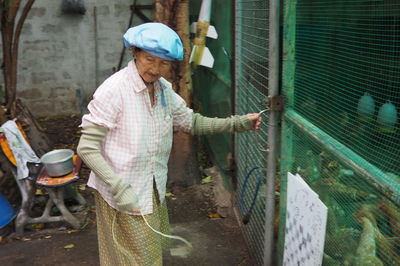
251	72
341	78
349	197
212	87
344	51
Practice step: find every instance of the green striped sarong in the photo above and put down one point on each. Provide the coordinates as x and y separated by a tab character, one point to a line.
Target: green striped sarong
134	243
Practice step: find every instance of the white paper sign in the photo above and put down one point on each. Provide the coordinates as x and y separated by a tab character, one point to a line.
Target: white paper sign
306	218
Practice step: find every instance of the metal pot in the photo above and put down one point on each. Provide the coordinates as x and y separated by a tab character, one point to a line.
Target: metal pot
58	162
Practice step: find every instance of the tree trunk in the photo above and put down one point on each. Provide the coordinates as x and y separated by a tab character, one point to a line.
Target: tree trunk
10	39
183	166
7	35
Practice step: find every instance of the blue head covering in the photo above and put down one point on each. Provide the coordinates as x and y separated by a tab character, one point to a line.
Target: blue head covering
156	39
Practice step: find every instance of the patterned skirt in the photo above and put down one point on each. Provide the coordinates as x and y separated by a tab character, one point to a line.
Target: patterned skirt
126	239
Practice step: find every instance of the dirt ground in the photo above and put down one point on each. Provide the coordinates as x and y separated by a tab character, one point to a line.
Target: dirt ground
215	241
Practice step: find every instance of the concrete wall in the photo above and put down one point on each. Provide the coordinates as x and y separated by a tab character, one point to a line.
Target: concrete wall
58	66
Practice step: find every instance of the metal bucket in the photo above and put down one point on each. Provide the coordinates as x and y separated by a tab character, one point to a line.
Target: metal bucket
58	162
7	213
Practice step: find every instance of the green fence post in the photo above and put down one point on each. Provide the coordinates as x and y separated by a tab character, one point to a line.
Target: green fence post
288	78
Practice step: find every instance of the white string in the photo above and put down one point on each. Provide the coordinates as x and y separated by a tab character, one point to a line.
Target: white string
126	253
165	235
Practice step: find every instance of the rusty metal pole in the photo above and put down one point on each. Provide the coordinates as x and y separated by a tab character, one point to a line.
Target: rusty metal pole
273	131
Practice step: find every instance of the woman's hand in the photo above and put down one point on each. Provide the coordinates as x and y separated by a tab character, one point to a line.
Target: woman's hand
256	120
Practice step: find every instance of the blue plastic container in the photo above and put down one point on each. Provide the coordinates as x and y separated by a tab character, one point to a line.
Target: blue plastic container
7	213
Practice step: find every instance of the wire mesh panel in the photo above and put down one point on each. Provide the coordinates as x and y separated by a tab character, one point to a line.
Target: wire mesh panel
363	224
251	72
348	64
342	134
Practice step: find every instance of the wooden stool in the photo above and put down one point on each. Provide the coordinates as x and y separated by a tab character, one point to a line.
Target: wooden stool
55	186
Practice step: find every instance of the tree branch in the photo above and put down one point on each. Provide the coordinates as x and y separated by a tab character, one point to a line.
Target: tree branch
20	23
14	54
12	9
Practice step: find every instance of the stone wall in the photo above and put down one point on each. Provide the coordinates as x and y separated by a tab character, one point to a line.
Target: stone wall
64	57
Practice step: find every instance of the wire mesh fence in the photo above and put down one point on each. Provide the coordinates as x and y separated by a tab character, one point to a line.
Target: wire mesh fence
341	82
348	69
251	79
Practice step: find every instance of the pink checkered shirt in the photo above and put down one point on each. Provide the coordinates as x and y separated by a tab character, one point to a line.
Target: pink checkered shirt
139	139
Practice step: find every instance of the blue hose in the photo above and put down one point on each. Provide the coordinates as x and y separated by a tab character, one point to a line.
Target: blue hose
246	217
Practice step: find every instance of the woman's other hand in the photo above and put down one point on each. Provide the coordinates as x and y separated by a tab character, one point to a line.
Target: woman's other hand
256	120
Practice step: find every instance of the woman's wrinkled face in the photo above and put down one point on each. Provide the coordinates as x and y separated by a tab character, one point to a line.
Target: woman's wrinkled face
151	67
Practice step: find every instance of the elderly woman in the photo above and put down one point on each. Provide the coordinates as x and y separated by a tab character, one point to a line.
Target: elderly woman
126	141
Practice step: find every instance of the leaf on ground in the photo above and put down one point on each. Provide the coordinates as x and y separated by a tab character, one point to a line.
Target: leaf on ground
214	216
4	239
169	194
207	179
47	237
69	246
37	226
82	187
26	239
39	192
72	231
